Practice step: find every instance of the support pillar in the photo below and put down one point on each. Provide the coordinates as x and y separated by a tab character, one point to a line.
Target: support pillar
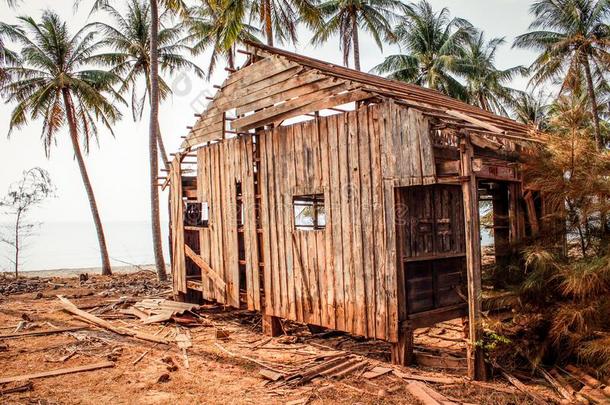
476	361
272	326
402	351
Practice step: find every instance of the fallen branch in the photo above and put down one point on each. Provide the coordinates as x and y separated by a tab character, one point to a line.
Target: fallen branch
56	372
43	332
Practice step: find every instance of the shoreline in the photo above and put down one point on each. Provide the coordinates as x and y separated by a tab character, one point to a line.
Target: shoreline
74	272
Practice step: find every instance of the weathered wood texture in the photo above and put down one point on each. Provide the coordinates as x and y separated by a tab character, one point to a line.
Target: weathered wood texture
344	276
222	167
409	147
177	226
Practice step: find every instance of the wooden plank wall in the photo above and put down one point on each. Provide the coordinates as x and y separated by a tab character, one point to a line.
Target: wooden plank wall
409	147
344	276
220	166
177	224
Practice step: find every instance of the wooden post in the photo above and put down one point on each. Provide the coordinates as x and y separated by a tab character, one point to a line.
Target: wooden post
402	351
272	325
476	362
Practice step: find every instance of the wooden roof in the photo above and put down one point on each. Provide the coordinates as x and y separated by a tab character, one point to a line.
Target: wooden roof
275	85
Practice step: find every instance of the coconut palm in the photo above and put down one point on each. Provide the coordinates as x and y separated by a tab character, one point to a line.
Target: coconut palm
128	39
573	37
220	25
346	17
7	57
434	44
279	18
179	7
487	85
530	109
54	83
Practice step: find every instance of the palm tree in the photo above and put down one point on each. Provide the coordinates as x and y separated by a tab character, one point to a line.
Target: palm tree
7	57
175	6
346	17
573	37
486	84
128	38
220	25
531	109
279	18
434	42
54	82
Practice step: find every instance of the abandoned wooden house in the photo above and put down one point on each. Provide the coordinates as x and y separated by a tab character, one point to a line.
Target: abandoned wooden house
332	197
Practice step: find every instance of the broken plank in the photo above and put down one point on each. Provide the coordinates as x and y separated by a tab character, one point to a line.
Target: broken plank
376	372
60	371
205	267
417	389
523	388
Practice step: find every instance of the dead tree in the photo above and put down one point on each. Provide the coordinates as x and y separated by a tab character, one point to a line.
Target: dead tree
29	192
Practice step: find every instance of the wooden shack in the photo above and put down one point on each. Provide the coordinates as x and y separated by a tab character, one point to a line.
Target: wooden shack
328	196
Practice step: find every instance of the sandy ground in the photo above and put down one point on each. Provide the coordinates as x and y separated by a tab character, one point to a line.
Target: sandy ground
220	370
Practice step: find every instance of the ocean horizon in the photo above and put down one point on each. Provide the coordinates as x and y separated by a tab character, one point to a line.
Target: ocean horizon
74	245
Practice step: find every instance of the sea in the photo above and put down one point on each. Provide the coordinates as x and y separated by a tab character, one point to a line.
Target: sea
74	245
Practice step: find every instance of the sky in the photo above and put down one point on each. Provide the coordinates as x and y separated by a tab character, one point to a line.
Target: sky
118	168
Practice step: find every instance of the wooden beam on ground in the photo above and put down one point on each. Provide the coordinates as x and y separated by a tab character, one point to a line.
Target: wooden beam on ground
476	362
61	371
198	260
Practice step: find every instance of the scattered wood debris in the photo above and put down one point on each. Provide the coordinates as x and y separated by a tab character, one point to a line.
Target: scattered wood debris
161	310
70	307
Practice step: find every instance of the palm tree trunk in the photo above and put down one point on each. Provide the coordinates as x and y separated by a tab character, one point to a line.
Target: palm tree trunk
162	151
153	139
268	22
106	271
594	110
356	42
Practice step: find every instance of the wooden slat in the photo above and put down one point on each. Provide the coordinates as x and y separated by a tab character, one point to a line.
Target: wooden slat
366	215
346	228
329	279
264	138
287	185
375	127
295	86
268	114
336	192
356	225
178	261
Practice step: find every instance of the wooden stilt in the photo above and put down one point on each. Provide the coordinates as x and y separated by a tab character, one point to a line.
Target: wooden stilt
272	326
476	363
402	351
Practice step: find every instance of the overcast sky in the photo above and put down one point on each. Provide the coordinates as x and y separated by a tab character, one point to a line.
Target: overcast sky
119	167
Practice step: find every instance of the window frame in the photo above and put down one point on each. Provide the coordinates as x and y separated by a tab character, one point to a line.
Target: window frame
317	201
